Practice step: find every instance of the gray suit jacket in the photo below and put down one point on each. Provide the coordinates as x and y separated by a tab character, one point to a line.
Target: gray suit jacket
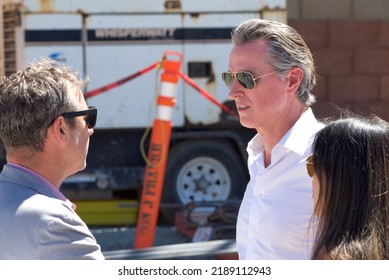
34	224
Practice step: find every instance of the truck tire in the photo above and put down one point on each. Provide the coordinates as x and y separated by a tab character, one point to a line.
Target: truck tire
201	171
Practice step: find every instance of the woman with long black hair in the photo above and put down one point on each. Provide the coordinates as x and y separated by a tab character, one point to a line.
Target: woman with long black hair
350	179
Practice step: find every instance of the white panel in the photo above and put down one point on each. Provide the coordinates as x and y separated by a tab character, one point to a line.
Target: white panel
133	103
65	52
71	55
53	21
132	21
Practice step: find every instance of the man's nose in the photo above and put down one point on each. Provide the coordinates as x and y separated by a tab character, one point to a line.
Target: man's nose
235	90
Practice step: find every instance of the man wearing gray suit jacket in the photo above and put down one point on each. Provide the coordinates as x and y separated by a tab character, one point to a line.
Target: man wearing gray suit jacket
45	125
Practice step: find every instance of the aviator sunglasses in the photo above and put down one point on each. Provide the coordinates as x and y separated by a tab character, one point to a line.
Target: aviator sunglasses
310	166
246	79
91	116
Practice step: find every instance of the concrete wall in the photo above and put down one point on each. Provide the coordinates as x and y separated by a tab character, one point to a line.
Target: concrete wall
349	40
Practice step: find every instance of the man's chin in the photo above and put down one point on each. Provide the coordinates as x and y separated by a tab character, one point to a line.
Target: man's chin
246	124
80	168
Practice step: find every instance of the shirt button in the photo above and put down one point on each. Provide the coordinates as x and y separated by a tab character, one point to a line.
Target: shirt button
253	231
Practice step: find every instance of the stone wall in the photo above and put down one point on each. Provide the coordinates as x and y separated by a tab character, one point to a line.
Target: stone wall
349	40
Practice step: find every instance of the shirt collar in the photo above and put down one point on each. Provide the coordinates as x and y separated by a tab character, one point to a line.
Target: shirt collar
296	139
44	181
300	136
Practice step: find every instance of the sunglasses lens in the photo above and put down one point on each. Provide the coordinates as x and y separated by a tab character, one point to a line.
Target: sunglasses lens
228	78
91	121
246	79
310	166
310	170
91	118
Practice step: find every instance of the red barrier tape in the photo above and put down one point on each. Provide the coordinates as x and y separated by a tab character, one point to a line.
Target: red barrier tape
206	94
120	82
149	68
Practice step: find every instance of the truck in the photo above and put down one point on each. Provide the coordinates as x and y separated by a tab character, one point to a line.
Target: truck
109	40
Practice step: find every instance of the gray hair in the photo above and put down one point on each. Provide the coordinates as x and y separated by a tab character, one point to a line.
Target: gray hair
287	49
32	98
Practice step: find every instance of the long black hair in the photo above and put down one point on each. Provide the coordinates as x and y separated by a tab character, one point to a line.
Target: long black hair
351	160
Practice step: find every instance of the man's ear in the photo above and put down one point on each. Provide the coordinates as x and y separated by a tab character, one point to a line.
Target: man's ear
57	130
295	77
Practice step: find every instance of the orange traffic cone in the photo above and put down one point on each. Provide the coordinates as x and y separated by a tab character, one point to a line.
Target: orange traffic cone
157	154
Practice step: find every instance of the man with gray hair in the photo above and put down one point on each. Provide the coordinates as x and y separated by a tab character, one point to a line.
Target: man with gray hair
45	125
271	75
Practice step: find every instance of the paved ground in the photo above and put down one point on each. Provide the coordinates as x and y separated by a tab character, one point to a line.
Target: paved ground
221	225
118	238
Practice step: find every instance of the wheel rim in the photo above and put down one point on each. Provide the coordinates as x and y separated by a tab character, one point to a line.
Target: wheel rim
203	179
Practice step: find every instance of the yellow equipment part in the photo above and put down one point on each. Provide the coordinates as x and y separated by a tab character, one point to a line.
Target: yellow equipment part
108	212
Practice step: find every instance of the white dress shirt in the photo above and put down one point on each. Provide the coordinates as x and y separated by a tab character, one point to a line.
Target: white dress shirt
277	206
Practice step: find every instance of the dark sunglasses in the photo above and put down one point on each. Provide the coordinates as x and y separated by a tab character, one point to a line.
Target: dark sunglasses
246	79
310	166
91	116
